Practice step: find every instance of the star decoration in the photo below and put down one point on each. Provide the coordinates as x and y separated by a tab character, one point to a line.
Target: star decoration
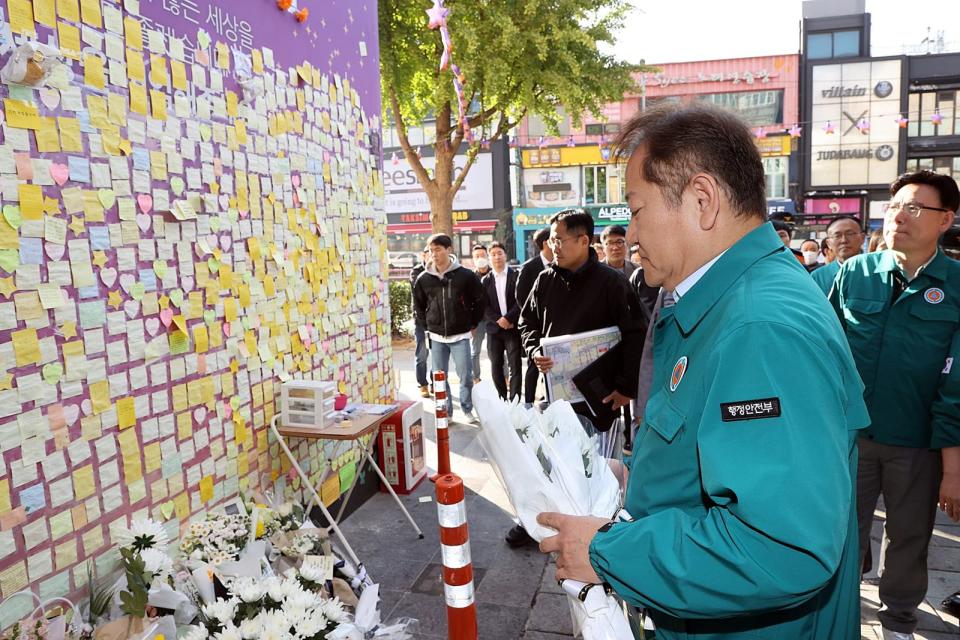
100	258
69	330
7	287
51	206
437	14
6	382
164	302
77	225
114	300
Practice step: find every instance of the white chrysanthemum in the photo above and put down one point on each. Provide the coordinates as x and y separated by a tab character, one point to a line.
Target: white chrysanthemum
250	629
196	633
157	562
247	589
333	609
278	619
229	633
285	509
143	534
312	571
311	624
221	610
272	633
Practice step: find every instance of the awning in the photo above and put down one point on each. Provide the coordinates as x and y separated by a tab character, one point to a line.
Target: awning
466	225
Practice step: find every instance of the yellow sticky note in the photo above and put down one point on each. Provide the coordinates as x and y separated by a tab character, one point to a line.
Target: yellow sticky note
68	10
45	13
230	308
69	37
178	71
100	396
330	489
26	347
31	201
47	139
126	413
93	71
152	457
200	338
257	59
232	104
206	488
21	17
90	13
135	67
158	71
184	425
158	104
4	496
21	114
138	98
182	506
134	32
70	138
83	484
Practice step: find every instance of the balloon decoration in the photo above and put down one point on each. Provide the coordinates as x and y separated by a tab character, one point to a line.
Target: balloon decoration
438	20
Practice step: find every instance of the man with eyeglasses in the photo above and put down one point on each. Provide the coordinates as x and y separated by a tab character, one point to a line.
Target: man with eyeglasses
900	310
614	241
845	239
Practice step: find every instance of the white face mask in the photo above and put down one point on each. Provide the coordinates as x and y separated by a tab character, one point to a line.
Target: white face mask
810	257
482	263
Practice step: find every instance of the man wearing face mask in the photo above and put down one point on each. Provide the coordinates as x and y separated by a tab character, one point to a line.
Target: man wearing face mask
481	267
845	237
810	250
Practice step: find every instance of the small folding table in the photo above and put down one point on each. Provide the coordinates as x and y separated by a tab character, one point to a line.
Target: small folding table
345	433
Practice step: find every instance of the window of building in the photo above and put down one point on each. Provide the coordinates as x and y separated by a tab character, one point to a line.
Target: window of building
922	106
758	108
598	129
776	173
838	44
595	185
947	165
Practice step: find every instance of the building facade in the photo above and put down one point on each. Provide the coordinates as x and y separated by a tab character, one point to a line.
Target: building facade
575	168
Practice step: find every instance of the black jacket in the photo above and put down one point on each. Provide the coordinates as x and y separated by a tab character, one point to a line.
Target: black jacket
493	314
593	297
415	273
450	303
529	271
647	294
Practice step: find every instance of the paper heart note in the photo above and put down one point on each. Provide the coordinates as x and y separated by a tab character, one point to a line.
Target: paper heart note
12	215
177	184
50	97
145	202
144	221
152	325
60	173
71	413
54	251
107	197
166	509
166	317
108	276
52	372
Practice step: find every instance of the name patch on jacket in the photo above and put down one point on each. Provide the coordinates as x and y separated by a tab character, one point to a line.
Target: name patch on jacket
750	409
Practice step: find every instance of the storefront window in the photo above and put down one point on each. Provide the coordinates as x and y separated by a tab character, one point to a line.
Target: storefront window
923	106
819	45
776	173
758	108
947	165
595	185
839	44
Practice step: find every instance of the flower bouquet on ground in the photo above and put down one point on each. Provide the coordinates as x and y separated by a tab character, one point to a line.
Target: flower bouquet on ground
546	462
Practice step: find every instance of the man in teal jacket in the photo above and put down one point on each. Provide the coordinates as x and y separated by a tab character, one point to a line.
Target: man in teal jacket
900	309
741	485
845	237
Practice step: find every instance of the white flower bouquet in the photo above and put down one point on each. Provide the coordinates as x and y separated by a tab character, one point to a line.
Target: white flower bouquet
546	462
219	538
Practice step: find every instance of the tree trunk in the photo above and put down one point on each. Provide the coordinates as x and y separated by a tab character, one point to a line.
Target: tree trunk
441	196
441	211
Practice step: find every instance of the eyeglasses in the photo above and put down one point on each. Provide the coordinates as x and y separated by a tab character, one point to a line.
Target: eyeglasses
912	208
615	243
557	241
850	235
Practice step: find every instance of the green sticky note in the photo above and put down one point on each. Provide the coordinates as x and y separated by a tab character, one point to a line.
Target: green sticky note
9	258
21	92
347	473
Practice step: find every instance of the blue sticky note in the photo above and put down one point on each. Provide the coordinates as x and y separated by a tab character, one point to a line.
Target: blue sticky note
33	499
149	279
99	238
31	251
79	169
141	159
84	118
85	293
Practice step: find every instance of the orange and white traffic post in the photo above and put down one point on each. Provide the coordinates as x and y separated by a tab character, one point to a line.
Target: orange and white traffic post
457	566
443	421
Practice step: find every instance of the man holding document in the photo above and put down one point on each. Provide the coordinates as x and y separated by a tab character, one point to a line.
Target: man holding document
741	488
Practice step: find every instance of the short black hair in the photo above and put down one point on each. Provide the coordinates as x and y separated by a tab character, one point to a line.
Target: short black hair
613	230
540	236
945	186
824	246
813	240
839	218
574	220
477	247
780	225
497	245
440	239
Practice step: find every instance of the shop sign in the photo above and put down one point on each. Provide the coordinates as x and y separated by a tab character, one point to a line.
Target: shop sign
735	77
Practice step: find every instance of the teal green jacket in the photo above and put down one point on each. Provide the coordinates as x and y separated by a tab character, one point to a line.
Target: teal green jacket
742	484
825	275
905	349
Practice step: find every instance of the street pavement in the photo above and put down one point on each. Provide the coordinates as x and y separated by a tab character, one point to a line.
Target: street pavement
516	595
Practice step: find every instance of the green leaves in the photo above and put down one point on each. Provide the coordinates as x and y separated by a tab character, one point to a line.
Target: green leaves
134	600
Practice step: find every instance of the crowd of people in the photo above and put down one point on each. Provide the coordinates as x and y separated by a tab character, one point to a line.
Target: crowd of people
751	474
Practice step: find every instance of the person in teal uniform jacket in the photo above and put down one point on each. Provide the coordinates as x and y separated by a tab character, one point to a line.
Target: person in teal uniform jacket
741	481
845	238
900	309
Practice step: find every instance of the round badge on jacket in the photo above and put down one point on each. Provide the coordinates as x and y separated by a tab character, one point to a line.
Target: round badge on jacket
933	295
678	370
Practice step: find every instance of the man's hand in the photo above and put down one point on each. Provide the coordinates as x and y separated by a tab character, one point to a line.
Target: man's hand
950	495
572	544
503	323
618	399
544	363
